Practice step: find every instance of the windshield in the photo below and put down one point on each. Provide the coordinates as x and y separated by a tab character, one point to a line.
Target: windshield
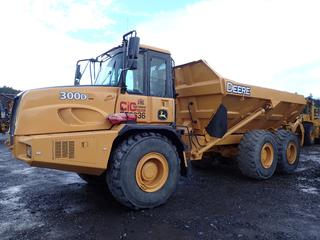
104	70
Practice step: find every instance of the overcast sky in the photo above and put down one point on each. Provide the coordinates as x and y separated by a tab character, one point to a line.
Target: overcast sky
262	42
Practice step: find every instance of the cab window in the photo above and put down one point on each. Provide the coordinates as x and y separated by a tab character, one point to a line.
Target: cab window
158	77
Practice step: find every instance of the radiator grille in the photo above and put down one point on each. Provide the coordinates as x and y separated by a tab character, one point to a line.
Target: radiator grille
57	150
71	149
64	149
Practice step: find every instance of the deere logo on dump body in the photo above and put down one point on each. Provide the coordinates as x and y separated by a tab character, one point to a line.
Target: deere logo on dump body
238	89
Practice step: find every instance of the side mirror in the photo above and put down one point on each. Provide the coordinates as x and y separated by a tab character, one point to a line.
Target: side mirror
132	64
133	51
133	47
78	75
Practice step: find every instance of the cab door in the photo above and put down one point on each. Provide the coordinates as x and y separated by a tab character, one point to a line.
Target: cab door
160	87
135	99
149	93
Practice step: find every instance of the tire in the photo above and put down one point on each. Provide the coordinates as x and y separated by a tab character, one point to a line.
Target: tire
93	179
129	170
308	134
258	154
288	151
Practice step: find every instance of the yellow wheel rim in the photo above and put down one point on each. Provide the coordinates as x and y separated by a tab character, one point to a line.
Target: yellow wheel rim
152	172
291	153
267	154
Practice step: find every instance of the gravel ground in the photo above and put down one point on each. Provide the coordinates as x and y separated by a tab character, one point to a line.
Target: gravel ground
215	203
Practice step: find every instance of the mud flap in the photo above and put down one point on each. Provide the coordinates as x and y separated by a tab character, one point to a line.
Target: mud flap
217	126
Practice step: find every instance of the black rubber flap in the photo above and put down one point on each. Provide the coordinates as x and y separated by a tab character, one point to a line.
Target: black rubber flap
217	126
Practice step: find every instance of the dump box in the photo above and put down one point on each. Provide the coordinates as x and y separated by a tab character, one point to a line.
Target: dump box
202	92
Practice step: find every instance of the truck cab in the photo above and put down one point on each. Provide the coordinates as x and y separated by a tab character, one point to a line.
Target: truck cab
145	84
121	100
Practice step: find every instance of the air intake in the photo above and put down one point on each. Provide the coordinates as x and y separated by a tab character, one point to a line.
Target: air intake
64	149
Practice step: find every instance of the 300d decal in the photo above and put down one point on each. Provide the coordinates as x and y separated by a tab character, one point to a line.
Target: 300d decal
73	96
238	89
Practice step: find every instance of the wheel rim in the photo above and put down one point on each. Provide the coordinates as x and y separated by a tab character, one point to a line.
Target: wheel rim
291	153
152	172
267	154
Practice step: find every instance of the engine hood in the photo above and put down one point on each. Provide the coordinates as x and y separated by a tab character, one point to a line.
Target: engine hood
64	109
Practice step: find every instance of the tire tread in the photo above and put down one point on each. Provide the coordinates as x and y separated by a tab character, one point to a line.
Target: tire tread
248	153
113	175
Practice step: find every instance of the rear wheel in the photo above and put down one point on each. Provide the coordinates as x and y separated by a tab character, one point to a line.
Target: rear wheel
258	154
143	171
308	133
288	151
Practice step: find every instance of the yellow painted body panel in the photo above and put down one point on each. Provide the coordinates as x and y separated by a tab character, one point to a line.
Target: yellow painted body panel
154	48
146	108
196	82
206	90
41	111
48	116
83	152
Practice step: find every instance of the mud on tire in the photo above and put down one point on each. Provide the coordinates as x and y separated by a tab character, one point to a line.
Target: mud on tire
122	173
258	154
288	151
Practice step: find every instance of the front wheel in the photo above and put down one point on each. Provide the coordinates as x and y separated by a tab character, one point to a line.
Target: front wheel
143	171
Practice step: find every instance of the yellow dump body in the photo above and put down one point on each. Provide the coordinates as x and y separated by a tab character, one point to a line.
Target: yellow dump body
202	90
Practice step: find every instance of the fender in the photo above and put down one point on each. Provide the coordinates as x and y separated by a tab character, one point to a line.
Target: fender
173	134
169	131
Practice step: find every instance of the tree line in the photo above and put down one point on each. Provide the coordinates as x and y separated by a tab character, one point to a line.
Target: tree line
9	90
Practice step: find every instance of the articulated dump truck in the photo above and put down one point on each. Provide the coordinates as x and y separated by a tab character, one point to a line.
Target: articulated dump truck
6	101
140	121
311	122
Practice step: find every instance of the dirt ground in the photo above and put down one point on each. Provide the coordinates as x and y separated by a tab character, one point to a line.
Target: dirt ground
216	203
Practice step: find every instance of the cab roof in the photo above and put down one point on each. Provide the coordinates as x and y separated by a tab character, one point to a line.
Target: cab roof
154	48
